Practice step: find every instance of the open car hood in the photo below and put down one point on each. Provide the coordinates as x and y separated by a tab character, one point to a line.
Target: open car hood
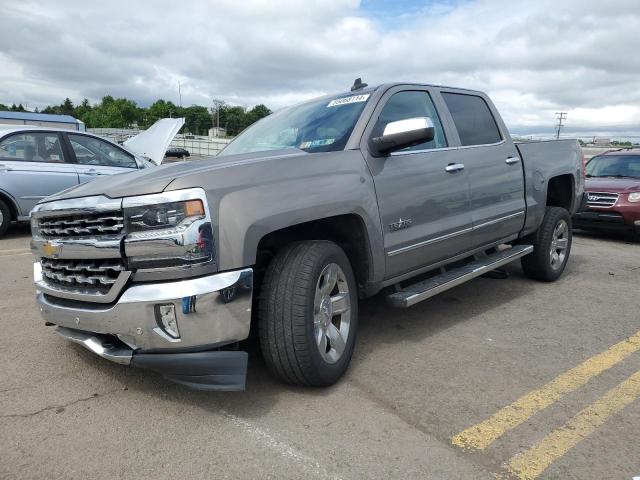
154	141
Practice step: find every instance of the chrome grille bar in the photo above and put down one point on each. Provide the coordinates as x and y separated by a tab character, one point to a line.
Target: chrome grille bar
94	273
80	225
601	199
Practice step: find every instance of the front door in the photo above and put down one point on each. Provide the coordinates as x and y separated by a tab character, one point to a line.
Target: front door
33	166
423	202
95	157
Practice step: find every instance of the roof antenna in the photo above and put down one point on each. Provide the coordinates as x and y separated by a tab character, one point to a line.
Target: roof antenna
358	85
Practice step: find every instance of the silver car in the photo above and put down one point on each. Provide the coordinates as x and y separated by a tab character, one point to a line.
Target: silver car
36	162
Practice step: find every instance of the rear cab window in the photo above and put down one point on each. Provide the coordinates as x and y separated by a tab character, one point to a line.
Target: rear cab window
473	119
32	147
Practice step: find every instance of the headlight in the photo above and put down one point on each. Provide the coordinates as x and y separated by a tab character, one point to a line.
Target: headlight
174	215
634	197
168	231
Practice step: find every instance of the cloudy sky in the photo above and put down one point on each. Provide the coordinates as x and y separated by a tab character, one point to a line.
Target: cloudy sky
533	57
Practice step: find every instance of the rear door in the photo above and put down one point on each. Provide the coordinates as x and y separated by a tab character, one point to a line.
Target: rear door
33	166
424	206
95	157
493	166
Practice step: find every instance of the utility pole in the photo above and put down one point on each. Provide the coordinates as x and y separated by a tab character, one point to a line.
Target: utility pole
217	104
180	93
560	116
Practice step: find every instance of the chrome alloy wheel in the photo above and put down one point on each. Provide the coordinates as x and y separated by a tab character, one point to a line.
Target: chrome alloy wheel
559	244
1	217
331	313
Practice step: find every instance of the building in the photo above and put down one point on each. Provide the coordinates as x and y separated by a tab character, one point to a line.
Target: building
41	120
217	132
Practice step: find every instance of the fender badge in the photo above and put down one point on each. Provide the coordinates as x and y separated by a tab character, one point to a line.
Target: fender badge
400	224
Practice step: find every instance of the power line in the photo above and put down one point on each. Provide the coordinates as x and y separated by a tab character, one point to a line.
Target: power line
560	116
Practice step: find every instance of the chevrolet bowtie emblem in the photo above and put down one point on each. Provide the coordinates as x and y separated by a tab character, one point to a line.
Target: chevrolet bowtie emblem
51	249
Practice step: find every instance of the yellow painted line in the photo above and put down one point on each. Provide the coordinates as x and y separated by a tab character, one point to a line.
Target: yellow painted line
537	459
480	436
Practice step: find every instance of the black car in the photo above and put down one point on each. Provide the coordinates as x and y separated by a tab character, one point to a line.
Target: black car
177	152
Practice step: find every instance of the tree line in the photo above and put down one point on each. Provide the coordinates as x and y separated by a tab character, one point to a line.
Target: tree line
124	113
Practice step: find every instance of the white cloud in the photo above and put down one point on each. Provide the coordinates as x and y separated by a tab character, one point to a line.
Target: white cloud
533	58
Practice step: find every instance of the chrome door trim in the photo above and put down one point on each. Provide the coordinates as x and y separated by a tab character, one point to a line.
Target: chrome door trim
443	149
498	220
428	242
453	234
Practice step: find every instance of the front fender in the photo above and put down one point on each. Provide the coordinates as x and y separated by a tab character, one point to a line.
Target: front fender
246	216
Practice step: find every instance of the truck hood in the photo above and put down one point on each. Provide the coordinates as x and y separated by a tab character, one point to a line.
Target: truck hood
611	184
154	141
157	179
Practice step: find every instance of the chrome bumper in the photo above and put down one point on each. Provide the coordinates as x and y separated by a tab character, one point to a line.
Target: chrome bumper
211	311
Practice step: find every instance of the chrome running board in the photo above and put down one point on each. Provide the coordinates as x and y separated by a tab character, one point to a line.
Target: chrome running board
432	286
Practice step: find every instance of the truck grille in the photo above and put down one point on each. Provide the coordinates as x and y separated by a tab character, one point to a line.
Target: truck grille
601	199
88	275
67	226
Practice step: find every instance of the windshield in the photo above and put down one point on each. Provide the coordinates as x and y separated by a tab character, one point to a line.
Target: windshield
318	126
614	166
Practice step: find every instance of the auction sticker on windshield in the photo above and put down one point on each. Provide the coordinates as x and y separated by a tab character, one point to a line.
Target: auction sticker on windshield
352	99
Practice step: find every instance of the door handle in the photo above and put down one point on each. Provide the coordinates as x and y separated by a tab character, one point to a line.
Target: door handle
4	168
91	171
512	160
454	167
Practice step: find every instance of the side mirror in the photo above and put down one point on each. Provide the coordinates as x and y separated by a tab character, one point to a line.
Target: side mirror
402	134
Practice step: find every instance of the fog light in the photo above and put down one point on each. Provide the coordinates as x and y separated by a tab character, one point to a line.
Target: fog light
166	318
636	223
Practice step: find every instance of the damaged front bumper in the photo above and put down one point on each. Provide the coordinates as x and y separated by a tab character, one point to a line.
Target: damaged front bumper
207	314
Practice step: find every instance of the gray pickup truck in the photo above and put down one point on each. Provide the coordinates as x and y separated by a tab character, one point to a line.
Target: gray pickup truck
405	189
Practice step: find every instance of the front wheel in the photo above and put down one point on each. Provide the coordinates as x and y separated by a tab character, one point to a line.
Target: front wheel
5	218
309	314
552	246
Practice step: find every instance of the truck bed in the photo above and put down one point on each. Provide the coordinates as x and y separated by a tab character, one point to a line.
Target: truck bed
544	159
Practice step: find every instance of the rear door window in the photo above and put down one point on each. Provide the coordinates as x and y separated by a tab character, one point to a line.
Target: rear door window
473	119
32	147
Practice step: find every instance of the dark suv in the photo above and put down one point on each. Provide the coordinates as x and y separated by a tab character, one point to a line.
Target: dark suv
613	192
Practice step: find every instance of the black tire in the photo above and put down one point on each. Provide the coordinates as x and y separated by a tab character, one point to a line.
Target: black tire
5	218
286	314
539	264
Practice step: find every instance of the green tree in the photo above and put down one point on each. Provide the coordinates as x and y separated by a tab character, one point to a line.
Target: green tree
197	119
233	119
256	113
160	109
66	108
3	107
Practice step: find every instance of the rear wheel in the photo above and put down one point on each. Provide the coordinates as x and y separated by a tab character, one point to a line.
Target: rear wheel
5	218
552	246
309	314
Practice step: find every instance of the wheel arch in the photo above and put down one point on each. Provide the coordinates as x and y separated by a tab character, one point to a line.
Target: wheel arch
349	231
561	192
10	202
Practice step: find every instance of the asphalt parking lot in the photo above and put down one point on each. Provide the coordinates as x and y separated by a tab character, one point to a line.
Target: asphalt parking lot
493	379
